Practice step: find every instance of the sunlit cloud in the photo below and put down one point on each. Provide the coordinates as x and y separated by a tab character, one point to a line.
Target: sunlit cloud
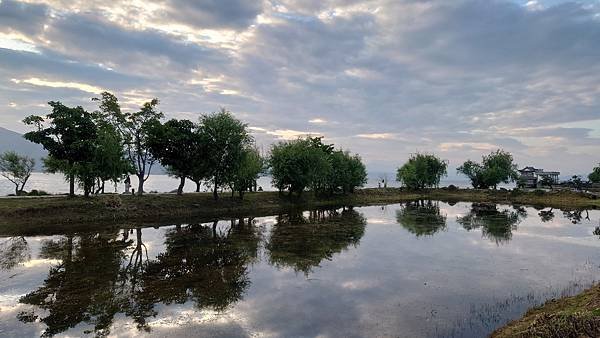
448	146
59	84
317	121
288	134
378	136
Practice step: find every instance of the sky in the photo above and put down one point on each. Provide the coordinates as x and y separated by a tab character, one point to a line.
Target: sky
381	78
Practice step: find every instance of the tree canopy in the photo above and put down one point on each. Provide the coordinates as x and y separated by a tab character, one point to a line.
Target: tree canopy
69	136
178	145
309	163
594	176
17	169
226	138
422	171
495	168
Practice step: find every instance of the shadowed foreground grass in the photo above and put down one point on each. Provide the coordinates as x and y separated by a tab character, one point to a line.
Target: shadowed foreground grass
576	317
53	215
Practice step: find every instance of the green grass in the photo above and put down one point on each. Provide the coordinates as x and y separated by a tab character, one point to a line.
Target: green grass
50	215
577	317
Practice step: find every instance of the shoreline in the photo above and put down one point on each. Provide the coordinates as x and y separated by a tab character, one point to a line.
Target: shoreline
43	215
573	316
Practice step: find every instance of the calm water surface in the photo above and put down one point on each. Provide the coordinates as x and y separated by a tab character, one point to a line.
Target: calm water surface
422	269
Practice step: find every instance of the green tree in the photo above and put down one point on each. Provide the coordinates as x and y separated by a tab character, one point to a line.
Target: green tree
134	128
17	169
177	144
225	138
347	172
497	167
422	171
594	176
576	182
109	161
298	164
546	181
69	136
247	172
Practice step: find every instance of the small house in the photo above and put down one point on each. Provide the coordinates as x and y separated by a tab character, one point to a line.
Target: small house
531	177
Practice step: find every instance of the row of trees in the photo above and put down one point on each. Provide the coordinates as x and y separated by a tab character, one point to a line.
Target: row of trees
426	170
110	144
309	163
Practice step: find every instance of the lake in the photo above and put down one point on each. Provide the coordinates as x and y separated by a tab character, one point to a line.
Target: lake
419	269
56	184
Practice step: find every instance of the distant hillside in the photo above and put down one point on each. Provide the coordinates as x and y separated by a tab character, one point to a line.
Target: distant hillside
10	140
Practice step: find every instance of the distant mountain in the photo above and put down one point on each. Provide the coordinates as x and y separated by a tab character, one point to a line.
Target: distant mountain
10	140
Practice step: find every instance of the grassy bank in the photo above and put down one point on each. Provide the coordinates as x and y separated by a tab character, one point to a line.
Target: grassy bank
577	317
48	215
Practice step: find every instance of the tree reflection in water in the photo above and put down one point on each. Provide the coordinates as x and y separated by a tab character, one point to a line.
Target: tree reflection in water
201	263
497	225
421	218
303	242
101	275
81	288
13	251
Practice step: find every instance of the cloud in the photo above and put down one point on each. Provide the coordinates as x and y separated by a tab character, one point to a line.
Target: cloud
22	17
378	136
58	84
396	76
232	14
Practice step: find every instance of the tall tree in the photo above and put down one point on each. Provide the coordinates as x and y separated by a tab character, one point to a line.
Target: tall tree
17	169
422	171
225	138
495	168
68	134
134	128
177	144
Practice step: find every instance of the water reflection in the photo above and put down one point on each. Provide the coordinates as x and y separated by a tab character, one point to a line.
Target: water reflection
576	216
82	288
239	277
201	263
302	242
13	251
496	224
422	218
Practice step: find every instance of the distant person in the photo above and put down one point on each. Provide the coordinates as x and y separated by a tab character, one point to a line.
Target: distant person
127	185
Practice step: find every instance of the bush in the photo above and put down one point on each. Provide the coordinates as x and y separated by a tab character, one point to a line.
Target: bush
35	192
452	187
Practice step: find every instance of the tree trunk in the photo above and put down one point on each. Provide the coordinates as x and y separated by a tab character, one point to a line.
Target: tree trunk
140	191
216	192
241	194
71	185
17	190
198	186
181	185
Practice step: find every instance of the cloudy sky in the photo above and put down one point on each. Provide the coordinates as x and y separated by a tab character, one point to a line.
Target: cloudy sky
383	78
